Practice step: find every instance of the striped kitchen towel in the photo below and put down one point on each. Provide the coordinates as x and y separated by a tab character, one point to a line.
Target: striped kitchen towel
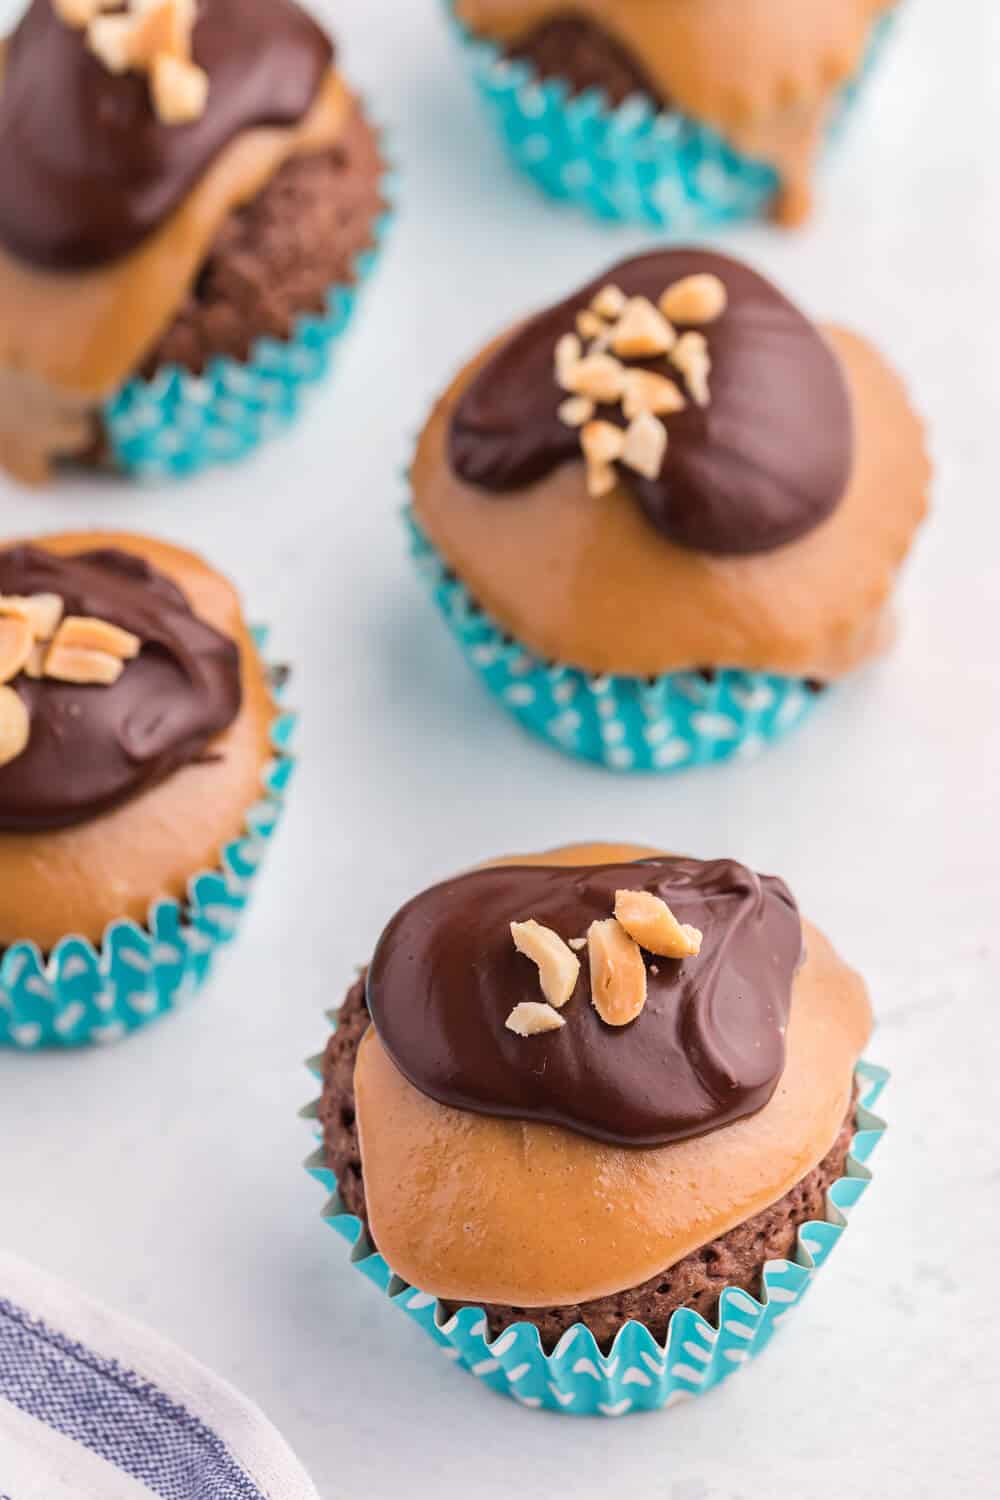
94	1407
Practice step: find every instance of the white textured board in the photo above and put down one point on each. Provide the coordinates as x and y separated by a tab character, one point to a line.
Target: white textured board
164	1176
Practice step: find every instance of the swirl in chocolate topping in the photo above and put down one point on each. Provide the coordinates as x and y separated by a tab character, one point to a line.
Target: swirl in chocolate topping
87	170
763	463
90	747
708	1048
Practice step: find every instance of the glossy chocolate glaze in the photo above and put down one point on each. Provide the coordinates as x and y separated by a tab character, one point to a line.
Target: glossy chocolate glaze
87	170
708	1048
765	462
92	746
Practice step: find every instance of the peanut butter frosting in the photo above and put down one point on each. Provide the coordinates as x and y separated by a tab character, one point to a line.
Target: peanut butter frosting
586	580
68	339
79	878
476	1208
765	75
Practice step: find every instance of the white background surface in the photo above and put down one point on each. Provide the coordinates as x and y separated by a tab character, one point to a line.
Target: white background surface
164	1175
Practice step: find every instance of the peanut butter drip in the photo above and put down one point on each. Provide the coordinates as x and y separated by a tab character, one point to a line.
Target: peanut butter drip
68	339
764	75
474	1208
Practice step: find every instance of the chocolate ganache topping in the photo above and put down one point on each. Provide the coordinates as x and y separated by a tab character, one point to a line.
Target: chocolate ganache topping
87	170
762	462
93	745
708	1047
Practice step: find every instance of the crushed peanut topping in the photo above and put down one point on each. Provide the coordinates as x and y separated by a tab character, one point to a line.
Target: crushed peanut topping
645	445
690	355
532	1018
87	633
151	37
617	973
15	725
576	410
16	642
558	967
589	364
695	299
42	612
652	924
642	332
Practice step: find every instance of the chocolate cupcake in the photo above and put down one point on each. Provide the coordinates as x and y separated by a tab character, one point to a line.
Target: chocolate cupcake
678	113
190	194
138	781
661	515
593	1118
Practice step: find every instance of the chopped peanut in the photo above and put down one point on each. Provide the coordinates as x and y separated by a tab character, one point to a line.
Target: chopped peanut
598	376
647	391
602	442
85	632
558	968
642	331
601	480
42	612
609	303
617	973
16	641
576	410
645	445
532	1018
691	357
180	90
81	665
15	725
695	299
652	924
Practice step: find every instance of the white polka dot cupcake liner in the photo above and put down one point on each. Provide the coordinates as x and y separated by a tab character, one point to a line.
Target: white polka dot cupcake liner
666	723
81	994
636	162
638	1372
177	423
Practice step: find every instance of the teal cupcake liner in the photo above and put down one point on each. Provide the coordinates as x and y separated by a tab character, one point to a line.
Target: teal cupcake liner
178	423
665	723
638	1373
636	162
80	994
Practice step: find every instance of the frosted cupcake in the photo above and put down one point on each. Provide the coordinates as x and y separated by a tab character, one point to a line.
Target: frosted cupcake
139	781
662	514
189	196
592	1117
673	112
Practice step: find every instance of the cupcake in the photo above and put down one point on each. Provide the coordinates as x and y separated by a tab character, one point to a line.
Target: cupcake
661	516
190	194
678	113
138	781
593	1117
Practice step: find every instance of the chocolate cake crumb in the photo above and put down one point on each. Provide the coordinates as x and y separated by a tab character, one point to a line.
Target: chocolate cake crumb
585	56
735	1259
276	257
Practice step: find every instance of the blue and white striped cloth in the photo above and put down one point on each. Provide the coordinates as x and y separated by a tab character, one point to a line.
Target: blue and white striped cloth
94	1407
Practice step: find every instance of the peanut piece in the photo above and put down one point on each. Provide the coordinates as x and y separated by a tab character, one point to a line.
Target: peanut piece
692	358
598	376
569	352
532	1018
601	480
645	445
80	665
642	331
180	90
42	612
576	410
652	924
602	442
647	391
609	303
558	968
35	665
589	325
16	641
85	633
79	13
617	973
695	299
15	725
